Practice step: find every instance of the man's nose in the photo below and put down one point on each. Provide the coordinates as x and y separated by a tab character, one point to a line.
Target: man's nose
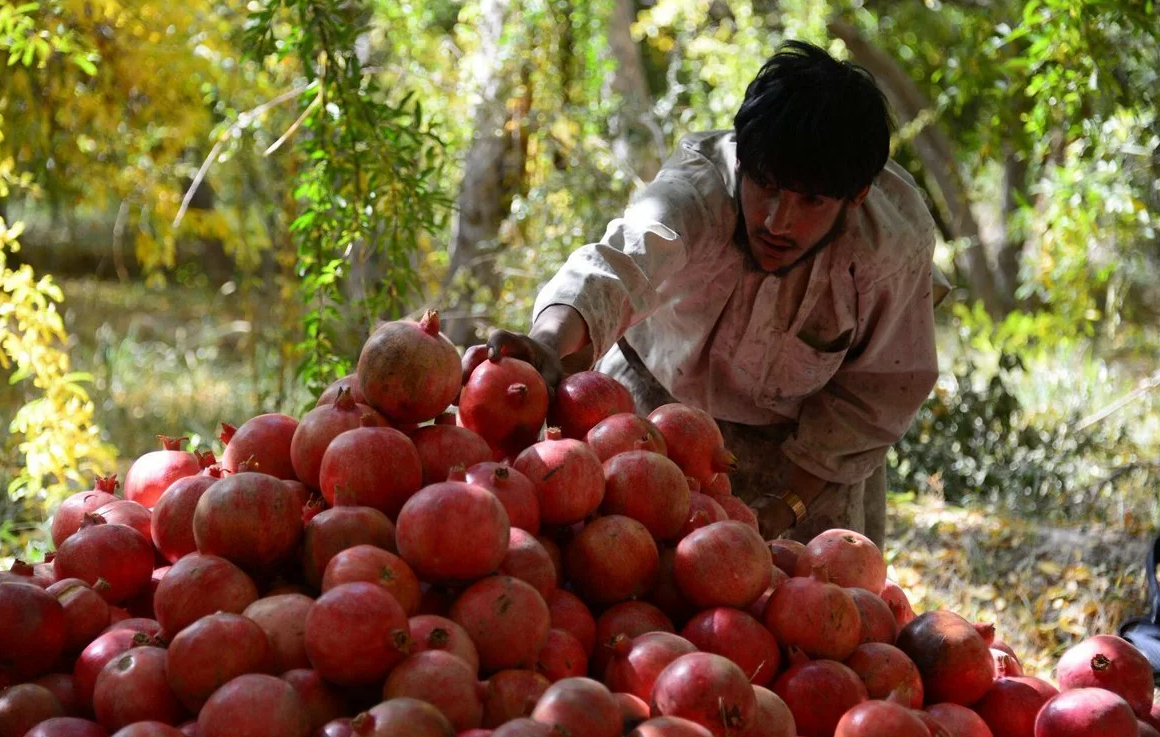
781	215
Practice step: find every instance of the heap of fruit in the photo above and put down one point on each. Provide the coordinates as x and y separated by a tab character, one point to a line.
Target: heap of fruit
379	567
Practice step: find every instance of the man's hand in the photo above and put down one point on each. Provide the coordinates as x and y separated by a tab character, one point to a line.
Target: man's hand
541	356
558	331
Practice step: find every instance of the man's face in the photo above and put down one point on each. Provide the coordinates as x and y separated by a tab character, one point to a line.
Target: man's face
782	225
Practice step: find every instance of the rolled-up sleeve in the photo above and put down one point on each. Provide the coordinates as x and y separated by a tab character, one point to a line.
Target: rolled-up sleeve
616	283
845	430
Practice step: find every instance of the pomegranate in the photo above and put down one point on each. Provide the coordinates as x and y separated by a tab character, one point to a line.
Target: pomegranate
172	522
354	462
959	721
772	717
527	560
265	441
213	651
355	634
25	705
453	531
522	728
402	718
737	510
68	516
555	554
851	558
702	511
86	613
877	621
569	613
633	710
885	669
612	559
442	680
322	425
1010	705
707	689
579	706
63	686
511	694
137	624
649	488
100	651
562	656
149	729
409	371
584	399
349	382
118	554
1110	662
432	632
132	688
722	564
1086	712
637	661
283	620
250	519
623	432
130	514
67	727
1146	729
739	637
336	728
1006	664
323	702
669	727
506	619
198	585
374	565
881	719
818	693
254	705
895	598
513	489
693	440
154	472
444	447
786	554
568	476
954	660
505	402
666	595
342	527
629	618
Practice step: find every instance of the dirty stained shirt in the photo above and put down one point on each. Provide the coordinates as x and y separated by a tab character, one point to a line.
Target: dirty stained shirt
842	347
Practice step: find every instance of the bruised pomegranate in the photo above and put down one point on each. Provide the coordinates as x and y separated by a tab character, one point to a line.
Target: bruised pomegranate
354	462
154	472
250	519
322	425
68	516
443	447
432	632
118	554
86	613
265	441
722	564
254	705
579	706
885	669
409	371
954	660
739	637
511	694
649	488
636	662
283	619
526	559
355	634
198	585
877	620
402	718
612	559
339	528
851	558
1112	663
513	489
133	688
172	522
213	651
506	619
505	402
693	440
453	531
623	432
568	476
584	399
818	693
571	614
1086	712
1011	704
442	680
562	656
707	689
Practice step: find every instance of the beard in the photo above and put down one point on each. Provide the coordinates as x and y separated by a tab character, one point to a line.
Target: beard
741	243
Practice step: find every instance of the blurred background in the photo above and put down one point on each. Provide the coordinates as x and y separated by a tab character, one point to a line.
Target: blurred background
205	205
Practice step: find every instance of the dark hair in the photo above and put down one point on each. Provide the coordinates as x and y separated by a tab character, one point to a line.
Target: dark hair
812	124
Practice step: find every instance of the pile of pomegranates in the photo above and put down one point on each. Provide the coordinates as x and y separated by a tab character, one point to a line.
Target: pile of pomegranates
381	566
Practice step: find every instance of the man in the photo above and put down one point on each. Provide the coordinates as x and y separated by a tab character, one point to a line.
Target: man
778	276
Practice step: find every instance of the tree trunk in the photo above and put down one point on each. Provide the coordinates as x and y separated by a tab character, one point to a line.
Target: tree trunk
940	167
637	140
1011	251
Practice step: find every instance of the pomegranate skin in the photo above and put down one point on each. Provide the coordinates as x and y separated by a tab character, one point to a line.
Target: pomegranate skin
880	719
852	559
637	662
198	585
25	705
953	658
568	476
507	620
579	706
442	680
283	619
1086	712
453	531
584	399
353	462
254	705
736	635
649	488
885	669
153	473
959	721
132	687
355	634
513	489
35	629
410	371
403	717
212	651
624	432
265	441
614	558
707	689
120	555
1112	663
722	564
1011	704
67	518
818	693
250	519
67	727
512	694
669	727
504	401
172	523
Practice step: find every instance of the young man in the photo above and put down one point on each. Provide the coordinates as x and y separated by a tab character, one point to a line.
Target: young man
778	276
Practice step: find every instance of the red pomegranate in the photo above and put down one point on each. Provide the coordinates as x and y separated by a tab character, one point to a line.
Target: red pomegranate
100	651
579	706
118	554
339	528
323	702
649	488
283	620
213	651
442	680
263	440
507	620
707	689
172	522
737	510
154	472
623	432
1110	662
514	490
349	382
693	440
198	585
569	613
68	516
527	560
886	669
25	705
512	694
130	514
666	594
959	721
772	717
254	705
722	564
322	425
568	476
877	620
354	462
954	660
739	637
669	727
703	511
136	624
555	554
355	634
250	519
378	566
895	598
67	727
453	531
851	558
881	719
520	728
1011	704
443	447
409	371
637	661
628	618
86	613
818	693
505	402
402	718
1086	712
584	399
432	632
612	559
63	686
786	554
562	657
633	710
150	729
132	687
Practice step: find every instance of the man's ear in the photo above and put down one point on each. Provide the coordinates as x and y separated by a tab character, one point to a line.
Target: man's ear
856	200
